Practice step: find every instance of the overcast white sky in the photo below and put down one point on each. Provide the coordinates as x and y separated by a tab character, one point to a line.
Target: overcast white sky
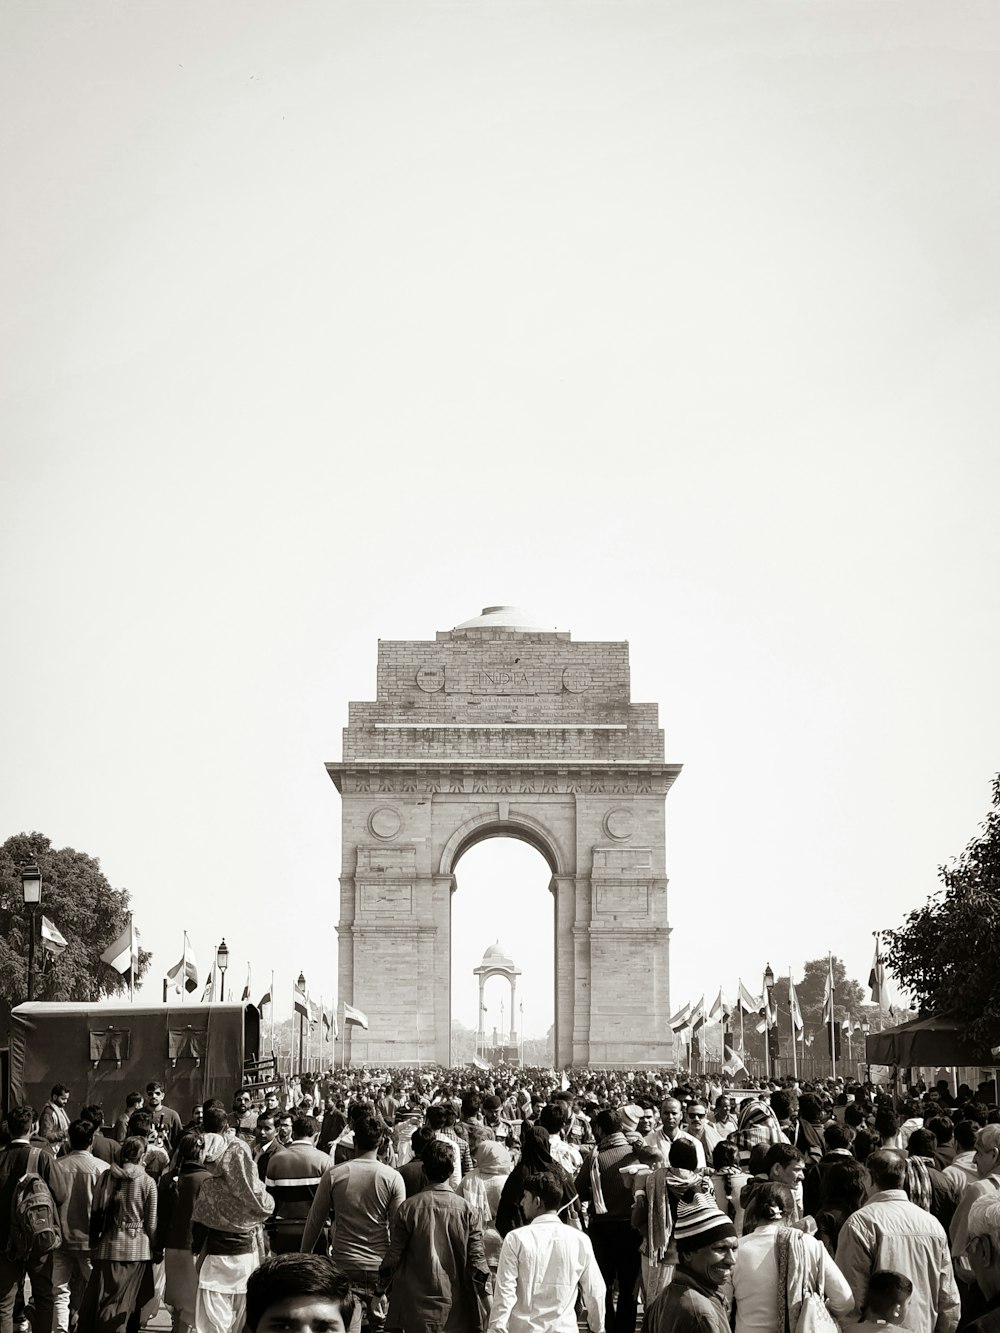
672	322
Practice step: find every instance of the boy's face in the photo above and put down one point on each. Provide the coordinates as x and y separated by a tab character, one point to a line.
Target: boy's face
302	1314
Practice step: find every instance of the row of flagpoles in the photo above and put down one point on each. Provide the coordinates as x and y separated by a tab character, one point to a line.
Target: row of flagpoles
692	1018
182	979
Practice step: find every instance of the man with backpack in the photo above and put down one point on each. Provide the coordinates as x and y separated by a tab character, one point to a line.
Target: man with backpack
31	1189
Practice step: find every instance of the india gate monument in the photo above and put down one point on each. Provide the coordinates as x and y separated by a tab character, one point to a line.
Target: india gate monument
502	728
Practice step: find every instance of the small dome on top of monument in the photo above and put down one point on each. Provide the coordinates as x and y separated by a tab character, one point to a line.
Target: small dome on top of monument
497	954
503	617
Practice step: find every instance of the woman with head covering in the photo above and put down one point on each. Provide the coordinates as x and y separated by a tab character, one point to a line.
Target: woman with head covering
122	1228
756	1123
482	1187
535	1157
226	1228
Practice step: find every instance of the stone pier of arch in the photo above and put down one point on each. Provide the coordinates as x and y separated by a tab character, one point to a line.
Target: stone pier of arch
500	727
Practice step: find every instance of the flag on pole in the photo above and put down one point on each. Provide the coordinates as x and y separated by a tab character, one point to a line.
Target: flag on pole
877	979
478	1063
123	955
313	1012
53	941
680	1019
329	1025
265	1003
720	1011
732	1064
793	1006
829	992
185	972
352	1015
750	1004
208	994
299	1001
698	1018
246	989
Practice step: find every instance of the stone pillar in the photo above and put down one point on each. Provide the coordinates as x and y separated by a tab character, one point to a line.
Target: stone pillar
480	1030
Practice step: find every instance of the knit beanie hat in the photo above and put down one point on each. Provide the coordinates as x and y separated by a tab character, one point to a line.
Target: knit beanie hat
630	1117
700	1222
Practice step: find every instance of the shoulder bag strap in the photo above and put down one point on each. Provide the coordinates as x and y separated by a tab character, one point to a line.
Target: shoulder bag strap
781	1244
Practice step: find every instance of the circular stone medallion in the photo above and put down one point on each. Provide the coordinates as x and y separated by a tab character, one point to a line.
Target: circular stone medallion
431	679
576	679
619	823
385	822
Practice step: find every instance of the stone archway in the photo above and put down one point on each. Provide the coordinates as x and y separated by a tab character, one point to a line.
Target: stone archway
500	727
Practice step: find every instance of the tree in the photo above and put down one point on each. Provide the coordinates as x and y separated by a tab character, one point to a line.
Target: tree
79	901
848	997
948	953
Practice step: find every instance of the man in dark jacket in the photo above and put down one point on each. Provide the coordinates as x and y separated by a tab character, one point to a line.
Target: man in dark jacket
616	1244
436	1262
21	1122
706	1255
292	1179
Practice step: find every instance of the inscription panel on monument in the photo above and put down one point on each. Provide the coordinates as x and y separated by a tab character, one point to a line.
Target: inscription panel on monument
615	861
387	861
621	899
385	899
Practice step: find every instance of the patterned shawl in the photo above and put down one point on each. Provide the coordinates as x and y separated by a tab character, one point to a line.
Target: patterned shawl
757	1123
233	1196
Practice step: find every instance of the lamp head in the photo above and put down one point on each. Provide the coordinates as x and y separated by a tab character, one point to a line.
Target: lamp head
31	885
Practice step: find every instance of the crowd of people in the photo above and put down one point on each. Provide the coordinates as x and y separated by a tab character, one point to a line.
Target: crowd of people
506	1201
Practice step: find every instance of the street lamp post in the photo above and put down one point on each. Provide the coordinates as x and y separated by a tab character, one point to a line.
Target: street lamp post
31	892
222	962
768	988
865	1029
301	984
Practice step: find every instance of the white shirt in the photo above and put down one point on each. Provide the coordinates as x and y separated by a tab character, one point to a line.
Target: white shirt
540	1268
657	1139
455	1179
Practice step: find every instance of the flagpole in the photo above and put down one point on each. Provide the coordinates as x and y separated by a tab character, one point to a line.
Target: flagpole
739	1001
271	1015
767	1031
833	1039
791	1015
184	958
132	959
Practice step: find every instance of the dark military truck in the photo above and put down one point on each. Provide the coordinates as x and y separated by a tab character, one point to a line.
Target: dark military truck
102	1053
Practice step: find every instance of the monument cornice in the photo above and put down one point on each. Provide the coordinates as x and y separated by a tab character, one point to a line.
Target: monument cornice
525	777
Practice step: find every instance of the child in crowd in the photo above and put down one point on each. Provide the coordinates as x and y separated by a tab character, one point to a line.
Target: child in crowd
888	1297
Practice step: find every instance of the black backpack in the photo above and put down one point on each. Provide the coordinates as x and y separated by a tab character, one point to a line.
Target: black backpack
34	1217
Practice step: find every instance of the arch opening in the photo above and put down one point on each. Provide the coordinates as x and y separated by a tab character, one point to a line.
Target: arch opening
498	897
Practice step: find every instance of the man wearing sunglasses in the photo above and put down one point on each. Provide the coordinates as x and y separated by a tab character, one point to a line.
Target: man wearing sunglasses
699	1128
